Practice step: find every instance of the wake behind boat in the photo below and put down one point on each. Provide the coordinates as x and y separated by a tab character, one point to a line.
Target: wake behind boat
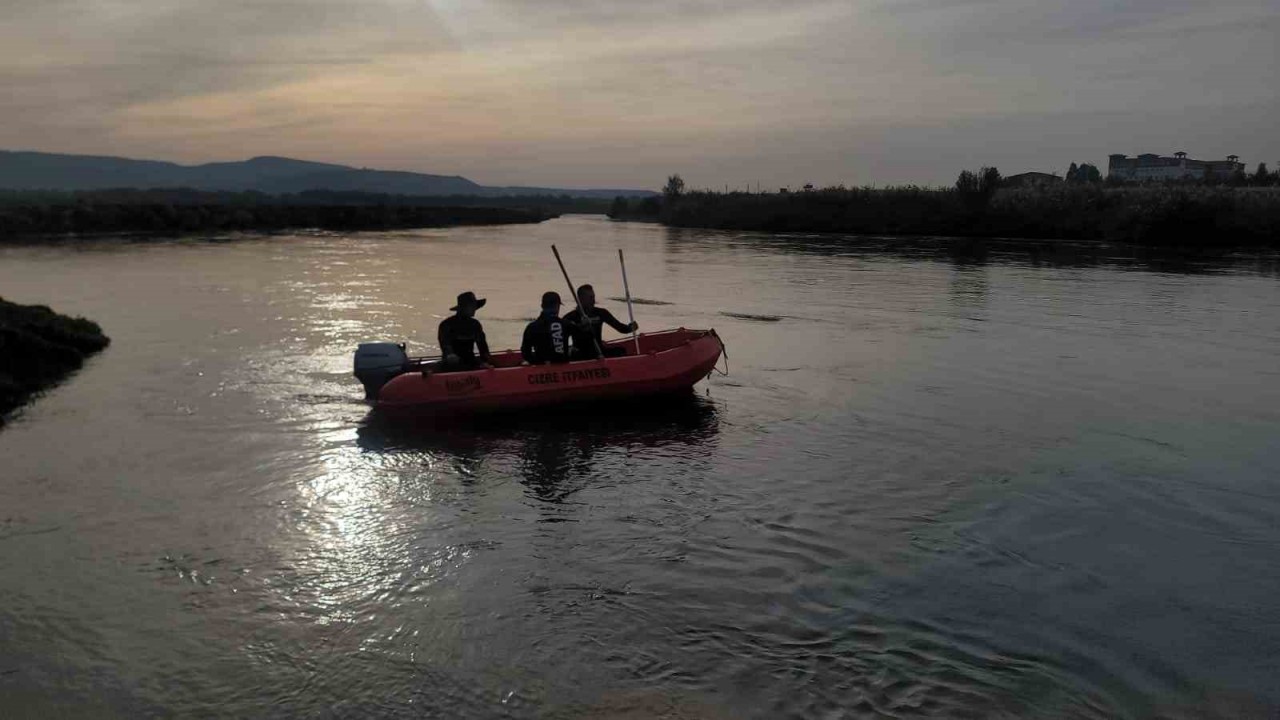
666	362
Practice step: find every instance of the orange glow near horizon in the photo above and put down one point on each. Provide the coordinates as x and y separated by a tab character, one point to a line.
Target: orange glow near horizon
621	94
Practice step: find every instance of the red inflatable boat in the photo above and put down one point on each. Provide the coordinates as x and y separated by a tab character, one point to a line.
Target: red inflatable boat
668	361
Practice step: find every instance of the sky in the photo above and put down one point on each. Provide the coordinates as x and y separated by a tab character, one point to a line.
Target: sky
622	93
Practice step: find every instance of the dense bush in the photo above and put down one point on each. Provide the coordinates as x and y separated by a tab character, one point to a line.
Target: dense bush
119	212
545	203
1185	215
38	347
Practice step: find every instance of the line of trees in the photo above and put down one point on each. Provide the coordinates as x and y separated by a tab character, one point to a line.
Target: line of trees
977	206
977	189
1262	178
83	216
187	196
1084	173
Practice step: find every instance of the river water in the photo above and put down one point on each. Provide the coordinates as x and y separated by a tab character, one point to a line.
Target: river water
940	480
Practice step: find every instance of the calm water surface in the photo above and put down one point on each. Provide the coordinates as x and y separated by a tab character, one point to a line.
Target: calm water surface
935	483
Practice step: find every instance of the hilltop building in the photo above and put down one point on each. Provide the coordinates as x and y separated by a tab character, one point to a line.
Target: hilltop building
1150	166
1031	179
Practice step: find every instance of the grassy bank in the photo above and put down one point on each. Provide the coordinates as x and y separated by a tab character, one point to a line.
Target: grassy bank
39	347
178	211
1189	216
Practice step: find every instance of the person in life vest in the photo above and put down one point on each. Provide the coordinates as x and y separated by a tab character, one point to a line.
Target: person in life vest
546	340
460	335
587	334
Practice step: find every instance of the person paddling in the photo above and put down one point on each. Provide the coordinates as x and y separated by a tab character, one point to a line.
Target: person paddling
461	334
587	335
546	339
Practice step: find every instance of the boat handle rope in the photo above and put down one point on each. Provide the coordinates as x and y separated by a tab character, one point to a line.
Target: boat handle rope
724	350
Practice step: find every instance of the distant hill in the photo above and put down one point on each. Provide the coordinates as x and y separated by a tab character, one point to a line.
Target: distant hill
52	171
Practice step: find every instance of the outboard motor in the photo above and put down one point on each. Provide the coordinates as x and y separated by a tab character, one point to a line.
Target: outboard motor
376	363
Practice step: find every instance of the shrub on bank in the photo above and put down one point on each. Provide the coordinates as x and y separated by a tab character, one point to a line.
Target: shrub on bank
1150	215
86	216
39	347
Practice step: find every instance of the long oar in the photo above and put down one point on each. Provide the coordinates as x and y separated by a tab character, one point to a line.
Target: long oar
627	287
582	313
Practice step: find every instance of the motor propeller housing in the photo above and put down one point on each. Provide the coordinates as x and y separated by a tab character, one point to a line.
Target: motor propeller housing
378	362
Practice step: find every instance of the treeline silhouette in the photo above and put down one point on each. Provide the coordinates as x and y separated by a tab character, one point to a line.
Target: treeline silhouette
38	347
977	206
183	210
1084	173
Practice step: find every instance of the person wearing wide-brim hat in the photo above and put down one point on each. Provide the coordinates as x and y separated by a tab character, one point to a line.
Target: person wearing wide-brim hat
461	334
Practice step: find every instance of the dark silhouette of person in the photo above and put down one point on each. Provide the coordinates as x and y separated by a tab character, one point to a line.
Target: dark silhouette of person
546	339
586	328
461	334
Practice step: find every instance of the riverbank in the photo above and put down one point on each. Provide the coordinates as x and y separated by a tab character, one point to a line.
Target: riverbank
38	348
28	214
1202	217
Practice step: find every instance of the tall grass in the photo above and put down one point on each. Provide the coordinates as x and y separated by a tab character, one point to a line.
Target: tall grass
179	210
38	347
16	221
1151	215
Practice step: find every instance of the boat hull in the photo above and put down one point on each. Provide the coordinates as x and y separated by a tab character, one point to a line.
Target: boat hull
667	362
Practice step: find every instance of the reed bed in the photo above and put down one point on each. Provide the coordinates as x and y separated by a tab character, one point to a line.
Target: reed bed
1189	216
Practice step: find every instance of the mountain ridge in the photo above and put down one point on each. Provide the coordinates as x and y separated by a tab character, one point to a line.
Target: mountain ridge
34	170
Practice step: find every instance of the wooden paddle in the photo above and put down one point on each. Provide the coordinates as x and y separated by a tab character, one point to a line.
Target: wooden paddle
630	313
582	313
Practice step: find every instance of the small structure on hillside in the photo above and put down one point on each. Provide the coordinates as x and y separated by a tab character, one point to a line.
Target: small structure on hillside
1031	179
1150	166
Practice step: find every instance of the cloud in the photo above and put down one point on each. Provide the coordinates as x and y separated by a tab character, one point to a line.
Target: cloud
589	92
171	48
